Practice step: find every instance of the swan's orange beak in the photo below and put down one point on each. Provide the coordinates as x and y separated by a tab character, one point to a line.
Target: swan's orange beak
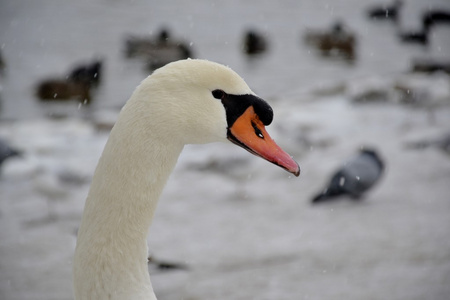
249	132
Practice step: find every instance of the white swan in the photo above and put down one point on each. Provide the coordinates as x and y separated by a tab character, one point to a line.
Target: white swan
185	102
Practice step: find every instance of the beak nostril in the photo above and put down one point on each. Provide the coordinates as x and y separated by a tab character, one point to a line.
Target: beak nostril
257	131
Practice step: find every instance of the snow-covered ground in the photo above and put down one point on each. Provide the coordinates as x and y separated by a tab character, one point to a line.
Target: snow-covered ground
244	228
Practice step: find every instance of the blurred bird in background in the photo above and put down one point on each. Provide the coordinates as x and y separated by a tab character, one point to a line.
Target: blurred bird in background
360	173
442	143
7	151
254	42
89	74
389	12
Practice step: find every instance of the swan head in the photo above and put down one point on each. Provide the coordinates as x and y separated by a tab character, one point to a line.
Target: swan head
199	101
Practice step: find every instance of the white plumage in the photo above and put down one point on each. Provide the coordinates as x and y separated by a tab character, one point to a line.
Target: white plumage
172	107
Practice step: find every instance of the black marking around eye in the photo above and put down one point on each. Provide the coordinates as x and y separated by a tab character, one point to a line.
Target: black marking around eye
236	105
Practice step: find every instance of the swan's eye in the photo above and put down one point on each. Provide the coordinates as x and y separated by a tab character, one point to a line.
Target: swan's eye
257	131
218	94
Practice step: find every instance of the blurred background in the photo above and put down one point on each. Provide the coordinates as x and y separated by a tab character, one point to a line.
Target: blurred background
340	75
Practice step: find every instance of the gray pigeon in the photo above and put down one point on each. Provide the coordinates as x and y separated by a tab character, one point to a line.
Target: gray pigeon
355	177
6	151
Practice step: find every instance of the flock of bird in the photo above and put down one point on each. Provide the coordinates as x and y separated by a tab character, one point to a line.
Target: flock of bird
337	42
429	19
82	80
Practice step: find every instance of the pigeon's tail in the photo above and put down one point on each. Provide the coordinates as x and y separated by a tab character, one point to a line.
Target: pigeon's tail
319	198
326	195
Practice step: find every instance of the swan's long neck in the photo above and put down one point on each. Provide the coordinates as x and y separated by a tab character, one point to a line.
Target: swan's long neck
111	255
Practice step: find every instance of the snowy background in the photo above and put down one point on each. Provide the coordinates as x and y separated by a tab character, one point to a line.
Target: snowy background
243	228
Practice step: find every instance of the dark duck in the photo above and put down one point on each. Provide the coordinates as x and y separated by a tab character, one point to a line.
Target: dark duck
386	12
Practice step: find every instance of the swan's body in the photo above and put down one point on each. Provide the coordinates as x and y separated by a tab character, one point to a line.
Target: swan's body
190	101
